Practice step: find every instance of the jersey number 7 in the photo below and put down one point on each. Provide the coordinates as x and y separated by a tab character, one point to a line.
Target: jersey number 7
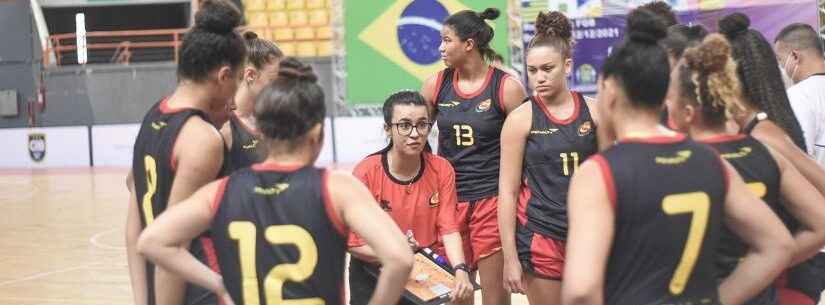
698	205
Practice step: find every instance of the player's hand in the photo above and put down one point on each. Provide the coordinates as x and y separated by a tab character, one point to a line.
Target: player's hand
224	295
412	242
513	276
462	287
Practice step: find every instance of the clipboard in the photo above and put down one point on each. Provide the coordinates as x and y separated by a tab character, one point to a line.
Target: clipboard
429	282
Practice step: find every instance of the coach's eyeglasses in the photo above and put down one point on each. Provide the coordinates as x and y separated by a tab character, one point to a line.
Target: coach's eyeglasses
405	128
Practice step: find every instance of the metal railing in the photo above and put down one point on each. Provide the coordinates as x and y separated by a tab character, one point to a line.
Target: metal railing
121	43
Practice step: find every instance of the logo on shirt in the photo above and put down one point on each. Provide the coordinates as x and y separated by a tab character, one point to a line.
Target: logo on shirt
434	203
545	132
385	205
158	125
680	157
743	152
449	104
251	145
273	190
37	146
484	106
585	128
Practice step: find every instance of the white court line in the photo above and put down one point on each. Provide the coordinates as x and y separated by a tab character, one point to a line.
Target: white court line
94	241
44	274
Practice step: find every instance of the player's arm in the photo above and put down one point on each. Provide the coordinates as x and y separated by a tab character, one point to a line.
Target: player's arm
137	264
513	139
770	243
357	246
428	89
591	218
603	138
357	208
160	241
512	95
769	133
226	134
806	204
449	231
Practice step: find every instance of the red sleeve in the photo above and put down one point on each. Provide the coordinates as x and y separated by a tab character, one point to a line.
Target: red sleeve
447	222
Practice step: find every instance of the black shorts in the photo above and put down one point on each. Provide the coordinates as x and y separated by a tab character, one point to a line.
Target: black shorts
809	277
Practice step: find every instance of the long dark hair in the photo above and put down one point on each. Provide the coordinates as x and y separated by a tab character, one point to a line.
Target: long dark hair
470	25
212	42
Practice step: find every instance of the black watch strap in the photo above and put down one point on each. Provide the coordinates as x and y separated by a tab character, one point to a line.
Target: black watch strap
462	266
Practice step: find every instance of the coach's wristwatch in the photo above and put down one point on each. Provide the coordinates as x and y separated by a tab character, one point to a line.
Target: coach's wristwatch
462	266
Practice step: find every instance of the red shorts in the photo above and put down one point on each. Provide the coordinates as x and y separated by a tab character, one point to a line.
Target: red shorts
478	221
540	256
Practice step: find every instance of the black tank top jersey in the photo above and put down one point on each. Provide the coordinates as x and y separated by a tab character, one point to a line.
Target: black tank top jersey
153	169
760	171
668	195
553	151
276	235
247	149
469	132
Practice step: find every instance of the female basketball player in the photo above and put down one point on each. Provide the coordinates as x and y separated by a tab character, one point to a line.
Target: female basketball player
758	71
240	133
280	227
543	142
704	89
472	99
179	149
416	188
646	214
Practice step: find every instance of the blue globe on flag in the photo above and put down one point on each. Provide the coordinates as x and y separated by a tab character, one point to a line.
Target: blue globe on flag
419	30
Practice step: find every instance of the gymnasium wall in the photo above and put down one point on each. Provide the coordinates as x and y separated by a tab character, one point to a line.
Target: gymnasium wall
16	53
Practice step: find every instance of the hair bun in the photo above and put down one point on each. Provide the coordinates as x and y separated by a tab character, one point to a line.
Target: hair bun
711	56
554	24
217	16
643	26
294	69
491	13
734	25
250	35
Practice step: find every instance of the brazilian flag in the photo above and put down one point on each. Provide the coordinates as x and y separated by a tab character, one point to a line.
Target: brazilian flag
393	44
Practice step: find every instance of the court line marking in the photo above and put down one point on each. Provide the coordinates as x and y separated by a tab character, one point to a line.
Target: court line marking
94	241
44	274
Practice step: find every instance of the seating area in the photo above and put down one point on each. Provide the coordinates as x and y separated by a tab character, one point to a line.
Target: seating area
301	28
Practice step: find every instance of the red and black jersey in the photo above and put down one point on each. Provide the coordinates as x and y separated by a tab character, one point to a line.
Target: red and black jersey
668	194
469	132
246	149
153	168
760	171
553	151
278	237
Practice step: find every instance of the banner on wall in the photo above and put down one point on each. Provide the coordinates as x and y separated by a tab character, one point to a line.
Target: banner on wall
46	147
393	44
599	25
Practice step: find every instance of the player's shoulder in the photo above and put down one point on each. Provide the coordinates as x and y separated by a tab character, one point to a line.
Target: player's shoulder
438	164
369	163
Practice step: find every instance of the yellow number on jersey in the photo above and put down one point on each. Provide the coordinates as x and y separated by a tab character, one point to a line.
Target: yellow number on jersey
463	135
698	205
245	233
151	173
574	156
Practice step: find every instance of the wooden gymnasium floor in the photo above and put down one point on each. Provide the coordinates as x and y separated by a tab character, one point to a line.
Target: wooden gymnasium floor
61	238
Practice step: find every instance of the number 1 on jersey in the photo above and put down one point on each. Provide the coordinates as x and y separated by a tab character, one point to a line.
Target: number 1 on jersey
565	160
698	205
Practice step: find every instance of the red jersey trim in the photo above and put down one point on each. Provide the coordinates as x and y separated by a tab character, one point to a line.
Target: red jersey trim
478	91
211	255
330	210
277	167
655	139
248	129
438	83
500	103
166	109
722	138
216	201
576	110
607	176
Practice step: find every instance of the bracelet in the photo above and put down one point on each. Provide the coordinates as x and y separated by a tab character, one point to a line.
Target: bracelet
462	266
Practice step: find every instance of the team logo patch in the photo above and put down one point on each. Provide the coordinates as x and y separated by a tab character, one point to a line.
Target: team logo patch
743	152
545	132
385	205
484	106
158	125
273	190
434	203
37	146
585	128
251	145
448	104
680	157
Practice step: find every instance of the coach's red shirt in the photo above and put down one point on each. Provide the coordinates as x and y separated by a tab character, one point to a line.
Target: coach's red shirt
426	204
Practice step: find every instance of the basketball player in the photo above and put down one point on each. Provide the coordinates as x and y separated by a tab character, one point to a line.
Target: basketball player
709	70
280	227
240	133
472	99
416	188
179	149
646	214
543	142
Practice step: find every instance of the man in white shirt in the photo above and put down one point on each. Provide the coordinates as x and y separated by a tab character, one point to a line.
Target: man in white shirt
799	51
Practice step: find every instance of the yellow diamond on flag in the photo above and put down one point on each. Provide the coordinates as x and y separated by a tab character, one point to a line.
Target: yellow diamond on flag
418	20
